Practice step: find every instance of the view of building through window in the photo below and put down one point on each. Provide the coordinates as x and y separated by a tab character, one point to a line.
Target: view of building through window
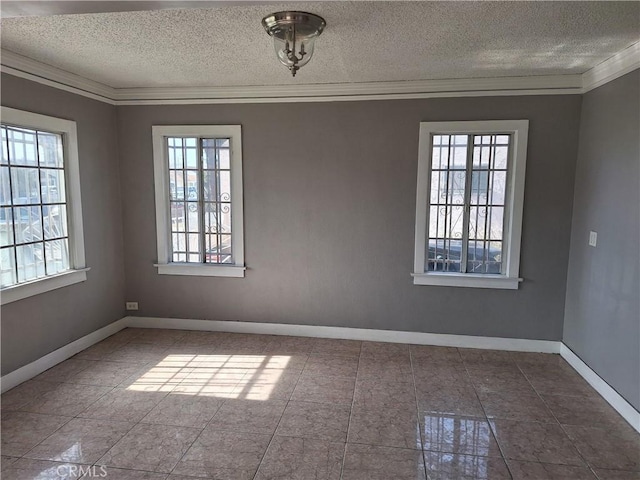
200	198
34	239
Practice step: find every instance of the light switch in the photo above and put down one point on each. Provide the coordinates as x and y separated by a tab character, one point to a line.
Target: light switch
593	238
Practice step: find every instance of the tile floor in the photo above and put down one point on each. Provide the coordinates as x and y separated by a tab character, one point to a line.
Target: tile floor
174	405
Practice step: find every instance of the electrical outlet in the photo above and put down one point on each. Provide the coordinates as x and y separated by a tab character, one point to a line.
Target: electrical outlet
132	305
593	238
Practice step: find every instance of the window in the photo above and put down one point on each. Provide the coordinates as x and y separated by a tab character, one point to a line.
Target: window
198	182
469	203
41	241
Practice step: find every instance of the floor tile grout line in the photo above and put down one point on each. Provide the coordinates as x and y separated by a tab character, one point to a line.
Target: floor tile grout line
179	426
273	435
77	416
353	401
299	376
559	423
415	395
491	428
196	437
139	422
201	431
71	418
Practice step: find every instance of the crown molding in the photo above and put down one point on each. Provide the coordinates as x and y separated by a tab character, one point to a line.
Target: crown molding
621	63
30	69
352	91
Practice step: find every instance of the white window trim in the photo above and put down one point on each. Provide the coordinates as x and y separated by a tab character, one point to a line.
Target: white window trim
513	218
78	270
161	177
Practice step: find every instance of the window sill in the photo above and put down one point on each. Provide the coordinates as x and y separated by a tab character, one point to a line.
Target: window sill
466	280
200	270
42	285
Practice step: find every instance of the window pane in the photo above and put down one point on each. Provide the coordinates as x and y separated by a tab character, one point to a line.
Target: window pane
210	185
179	243
501	156
225	217
5	186
192	181
496	218
477	223
176	185
57	256
479	187
25	186
224	158
33	199
50	150
54	221
4	159
225	186
30	261
178	217
22	147
188	190
6	227
449	187
436	227
446	221
174	150
440	157
484	257
217	218
52	185
444	255
194	246
7	267
27	224
191	157
193	217
498	187
208	156
211	216
452	154
179	257
218	249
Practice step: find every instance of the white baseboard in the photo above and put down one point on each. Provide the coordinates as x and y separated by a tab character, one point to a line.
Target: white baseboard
628	412
32	369
624	408
391	336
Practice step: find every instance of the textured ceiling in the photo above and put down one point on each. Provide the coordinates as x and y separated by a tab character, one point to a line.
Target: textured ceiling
363	42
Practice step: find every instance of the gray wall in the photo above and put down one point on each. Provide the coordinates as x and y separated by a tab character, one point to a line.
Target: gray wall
602	316
38	325
330	211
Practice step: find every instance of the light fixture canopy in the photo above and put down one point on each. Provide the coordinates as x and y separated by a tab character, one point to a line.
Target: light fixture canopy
294	35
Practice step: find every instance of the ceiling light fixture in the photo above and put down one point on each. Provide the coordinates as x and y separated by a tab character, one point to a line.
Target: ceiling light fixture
294	34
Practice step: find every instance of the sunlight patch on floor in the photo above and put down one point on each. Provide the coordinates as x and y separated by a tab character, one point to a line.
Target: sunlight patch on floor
250	377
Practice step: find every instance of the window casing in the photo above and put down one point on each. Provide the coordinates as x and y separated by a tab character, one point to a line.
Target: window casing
41	237
199	211
470	198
